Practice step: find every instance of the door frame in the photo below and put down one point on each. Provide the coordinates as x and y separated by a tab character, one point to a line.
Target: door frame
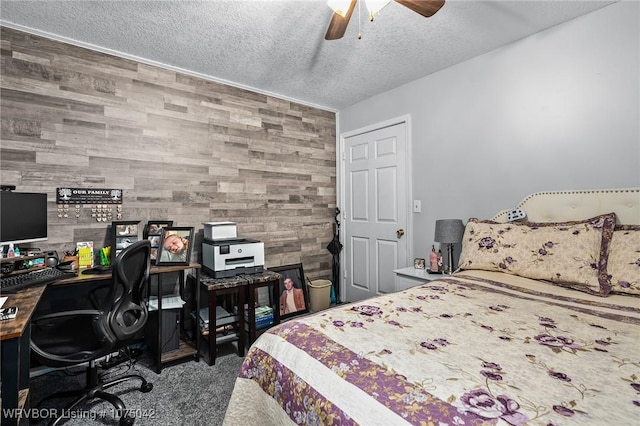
340	182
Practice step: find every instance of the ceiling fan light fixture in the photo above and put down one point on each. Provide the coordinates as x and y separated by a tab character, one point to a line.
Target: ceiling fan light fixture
375	6
343	9
339	6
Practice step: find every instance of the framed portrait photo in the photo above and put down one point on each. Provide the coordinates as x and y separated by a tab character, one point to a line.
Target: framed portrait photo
293	299
175	246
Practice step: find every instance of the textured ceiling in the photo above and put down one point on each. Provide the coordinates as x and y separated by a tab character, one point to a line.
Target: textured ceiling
278	47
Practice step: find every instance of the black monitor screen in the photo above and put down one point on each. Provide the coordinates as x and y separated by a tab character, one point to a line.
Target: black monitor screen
23	217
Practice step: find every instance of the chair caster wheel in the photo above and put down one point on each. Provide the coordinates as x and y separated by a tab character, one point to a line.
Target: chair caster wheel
146	387
126	420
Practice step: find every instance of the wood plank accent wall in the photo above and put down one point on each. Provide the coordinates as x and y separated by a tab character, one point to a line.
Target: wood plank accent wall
182	148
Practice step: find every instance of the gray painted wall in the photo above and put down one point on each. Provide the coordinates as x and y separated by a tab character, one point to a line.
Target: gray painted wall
557	110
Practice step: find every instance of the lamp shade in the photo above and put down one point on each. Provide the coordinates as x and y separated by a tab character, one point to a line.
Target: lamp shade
449	231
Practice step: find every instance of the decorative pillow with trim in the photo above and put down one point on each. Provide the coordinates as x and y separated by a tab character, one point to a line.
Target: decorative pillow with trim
571	254
623	264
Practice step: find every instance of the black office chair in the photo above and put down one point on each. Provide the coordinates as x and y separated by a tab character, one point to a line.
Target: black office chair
73	337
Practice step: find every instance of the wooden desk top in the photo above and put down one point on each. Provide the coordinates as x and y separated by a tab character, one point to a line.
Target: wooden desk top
26	301
105	277
173	268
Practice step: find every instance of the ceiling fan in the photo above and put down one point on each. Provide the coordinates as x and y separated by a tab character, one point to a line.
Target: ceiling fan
342	10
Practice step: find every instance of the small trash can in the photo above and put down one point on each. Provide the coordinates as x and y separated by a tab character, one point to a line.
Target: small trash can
319	295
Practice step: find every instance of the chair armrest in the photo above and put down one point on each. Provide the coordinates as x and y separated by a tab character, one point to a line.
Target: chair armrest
63	314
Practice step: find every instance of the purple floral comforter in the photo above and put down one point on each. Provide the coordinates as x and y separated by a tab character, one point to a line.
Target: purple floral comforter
461	350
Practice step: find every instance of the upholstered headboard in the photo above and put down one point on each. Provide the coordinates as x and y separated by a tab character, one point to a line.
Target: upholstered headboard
563	206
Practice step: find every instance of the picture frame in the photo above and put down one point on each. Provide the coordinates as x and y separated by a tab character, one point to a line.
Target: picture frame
155	227
124	233
153	232
295	273
176	245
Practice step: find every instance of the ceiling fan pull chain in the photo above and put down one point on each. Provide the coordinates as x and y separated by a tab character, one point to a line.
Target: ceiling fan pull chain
359	19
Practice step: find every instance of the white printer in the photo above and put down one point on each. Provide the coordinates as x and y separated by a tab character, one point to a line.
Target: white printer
224	255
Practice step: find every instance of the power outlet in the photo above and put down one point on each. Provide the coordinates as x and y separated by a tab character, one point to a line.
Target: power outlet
417	206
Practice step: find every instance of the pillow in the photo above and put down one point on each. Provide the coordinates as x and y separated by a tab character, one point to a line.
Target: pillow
571	254
624	259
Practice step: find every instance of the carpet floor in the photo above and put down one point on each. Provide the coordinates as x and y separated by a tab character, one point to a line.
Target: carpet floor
188	393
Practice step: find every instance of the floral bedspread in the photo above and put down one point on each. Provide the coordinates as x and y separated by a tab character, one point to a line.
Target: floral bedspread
460	350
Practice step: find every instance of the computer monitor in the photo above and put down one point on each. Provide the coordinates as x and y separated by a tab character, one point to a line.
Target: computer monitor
23	217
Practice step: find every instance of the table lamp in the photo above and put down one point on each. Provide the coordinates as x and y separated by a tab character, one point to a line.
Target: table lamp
449	231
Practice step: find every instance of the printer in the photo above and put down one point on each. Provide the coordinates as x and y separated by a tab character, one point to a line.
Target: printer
224	255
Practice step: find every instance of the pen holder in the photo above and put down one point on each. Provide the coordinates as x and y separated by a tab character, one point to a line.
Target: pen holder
105	256
73	259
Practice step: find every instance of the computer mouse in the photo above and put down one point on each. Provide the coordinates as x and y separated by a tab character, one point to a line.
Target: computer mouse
97	270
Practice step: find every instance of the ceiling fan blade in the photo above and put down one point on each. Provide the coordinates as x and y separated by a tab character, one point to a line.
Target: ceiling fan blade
338	24
425	8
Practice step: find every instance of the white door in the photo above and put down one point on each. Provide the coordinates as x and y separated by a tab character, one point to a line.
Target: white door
375	210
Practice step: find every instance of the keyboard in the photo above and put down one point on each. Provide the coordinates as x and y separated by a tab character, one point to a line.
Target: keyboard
17	282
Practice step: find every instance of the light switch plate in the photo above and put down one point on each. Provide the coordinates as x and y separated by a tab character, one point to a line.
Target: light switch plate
417	206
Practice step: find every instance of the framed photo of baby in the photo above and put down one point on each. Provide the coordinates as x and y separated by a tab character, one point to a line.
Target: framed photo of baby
293	299
175	246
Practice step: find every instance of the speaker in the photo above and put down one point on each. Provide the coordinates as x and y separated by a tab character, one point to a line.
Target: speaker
52	258
7	268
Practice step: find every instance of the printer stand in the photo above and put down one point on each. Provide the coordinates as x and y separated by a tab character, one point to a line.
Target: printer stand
268	279
222	324
234	291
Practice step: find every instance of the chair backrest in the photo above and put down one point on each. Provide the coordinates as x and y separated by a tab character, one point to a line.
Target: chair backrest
126	304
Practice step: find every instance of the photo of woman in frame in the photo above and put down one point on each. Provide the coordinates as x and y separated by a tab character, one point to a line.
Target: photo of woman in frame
175	246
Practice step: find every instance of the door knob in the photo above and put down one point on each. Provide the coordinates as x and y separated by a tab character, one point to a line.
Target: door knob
400	233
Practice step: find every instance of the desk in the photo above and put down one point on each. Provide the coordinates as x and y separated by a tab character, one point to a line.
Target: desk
185	348
238	287
15	338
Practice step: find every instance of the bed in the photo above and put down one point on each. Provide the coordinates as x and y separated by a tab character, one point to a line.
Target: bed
539	326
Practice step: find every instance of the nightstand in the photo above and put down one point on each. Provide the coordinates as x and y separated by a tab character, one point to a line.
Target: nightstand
410	276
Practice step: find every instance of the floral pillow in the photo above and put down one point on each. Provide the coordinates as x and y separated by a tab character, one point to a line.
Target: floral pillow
572	254
624	259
